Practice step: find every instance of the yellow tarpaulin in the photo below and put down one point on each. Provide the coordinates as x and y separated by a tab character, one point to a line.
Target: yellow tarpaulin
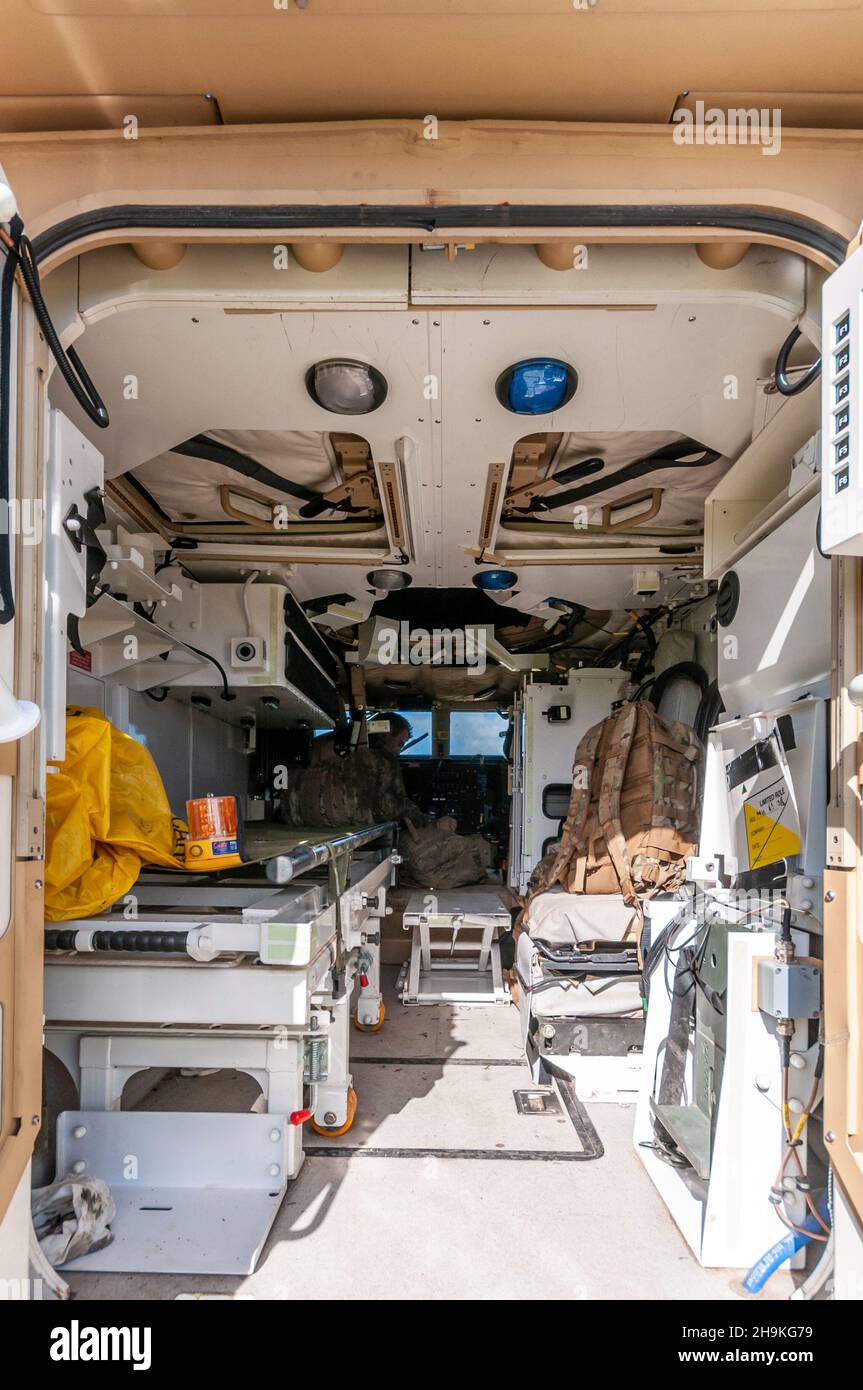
107	815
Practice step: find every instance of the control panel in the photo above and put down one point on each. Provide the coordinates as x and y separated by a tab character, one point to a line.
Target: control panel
841	401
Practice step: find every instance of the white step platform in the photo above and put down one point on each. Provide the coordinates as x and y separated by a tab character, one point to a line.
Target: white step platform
455	958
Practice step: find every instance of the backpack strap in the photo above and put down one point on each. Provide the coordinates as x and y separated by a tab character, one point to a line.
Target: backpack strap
613	776
572	840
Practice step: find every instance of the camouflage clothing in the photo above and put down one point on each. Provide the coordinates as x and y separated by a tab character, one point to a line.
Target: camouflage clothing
440	860
633	814
366	787
361	789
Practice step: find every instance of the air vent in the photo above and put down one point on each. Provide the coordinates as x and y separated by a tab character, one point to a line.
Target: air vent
727	599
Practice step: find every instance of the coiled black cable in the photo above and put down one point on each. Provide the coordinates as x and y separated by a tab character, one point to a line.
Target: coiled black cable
7	595
71	367
709	710
783	385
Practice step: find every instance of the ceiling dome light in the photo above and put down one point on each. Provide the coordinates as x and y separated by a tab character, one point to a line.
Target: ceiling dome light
496	581
536	386
389	579
346	387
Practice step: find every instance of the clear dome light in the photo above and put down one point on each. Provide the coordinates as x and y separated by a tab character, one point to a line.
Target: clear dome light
346	387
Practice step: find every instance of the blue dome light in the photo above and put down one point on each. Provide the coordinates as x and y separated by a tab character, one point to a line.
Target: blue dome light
496	581
536	386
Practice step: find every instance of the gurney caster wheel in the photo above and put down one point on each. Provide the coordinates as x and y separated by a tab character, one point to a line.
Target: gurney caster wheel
370	1027
339	1129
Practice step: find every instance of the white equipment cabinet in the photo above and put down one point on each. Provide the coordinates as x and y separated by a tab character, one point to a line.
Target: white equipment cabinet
725	1214
764	809
773	639
237	975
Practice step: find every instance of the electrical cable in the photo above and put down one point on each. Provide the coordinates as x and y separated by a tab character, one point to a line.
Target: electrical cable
780	376
71	367
709	710
226	693
246	587
685	670
817	1277
793	1138
7	595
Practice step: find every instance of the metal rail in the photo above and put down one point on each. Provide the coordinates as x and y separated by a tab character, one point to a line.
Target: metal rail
283	868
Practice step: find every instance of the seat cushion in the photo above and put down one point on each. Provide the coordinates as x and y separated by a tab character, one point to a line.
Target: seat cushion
547	994
593	998
569	919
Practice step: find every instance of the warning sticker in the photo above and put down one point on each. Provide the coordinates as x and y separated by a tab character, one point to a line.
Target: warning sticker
771	822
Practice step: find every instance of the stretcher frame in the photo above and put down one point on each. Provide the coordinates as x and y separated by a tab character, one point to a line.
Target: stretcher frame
245	971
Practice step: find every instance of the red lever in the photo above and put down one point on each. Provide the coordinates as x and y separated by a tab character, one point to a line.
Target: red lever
299	1117
364	979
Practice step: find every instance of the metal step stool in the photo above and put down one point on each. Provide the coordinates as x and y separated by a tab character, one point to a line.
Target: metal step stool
455	958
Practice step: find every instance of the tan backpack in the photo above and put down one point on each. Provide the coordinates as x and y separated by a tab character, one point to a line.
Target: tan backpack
633	812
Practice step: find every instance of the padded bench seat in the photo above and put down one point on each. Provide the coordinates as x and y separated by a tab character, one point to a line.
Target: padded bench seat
565	921
571	919
548	994
580	988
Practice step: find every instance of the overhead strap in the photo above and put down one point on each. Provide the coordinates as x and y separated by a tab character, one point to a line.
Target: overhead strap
674	455
202	447
337	886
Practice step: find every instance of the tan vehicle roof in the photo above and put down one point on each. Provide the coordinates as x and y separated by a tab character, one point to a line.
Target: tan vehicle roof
75	64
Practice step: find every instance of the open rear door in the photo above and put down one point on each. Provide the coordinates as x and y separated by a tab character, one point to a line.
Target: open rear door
22	371
842	537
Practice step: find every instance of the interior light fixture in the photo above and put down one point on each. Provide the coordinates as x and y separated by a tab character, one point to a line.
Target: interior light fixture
536	386
346	387
389	579
495	581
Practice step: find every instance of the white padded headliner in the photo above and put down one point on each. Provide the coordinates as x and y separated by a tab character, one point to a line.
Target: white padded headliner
203	361
684	489
188	488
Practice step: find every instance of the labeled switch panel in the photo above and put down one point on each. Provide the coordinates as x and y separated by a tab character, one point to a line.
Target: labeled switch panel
841	399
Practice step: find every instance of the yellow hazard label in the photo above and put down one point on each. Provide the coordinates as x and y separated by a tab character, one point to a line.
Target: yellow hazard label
767	839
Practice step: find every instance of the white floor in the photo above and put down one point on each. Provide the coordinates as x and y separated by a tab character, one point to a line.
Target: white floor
410	1227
